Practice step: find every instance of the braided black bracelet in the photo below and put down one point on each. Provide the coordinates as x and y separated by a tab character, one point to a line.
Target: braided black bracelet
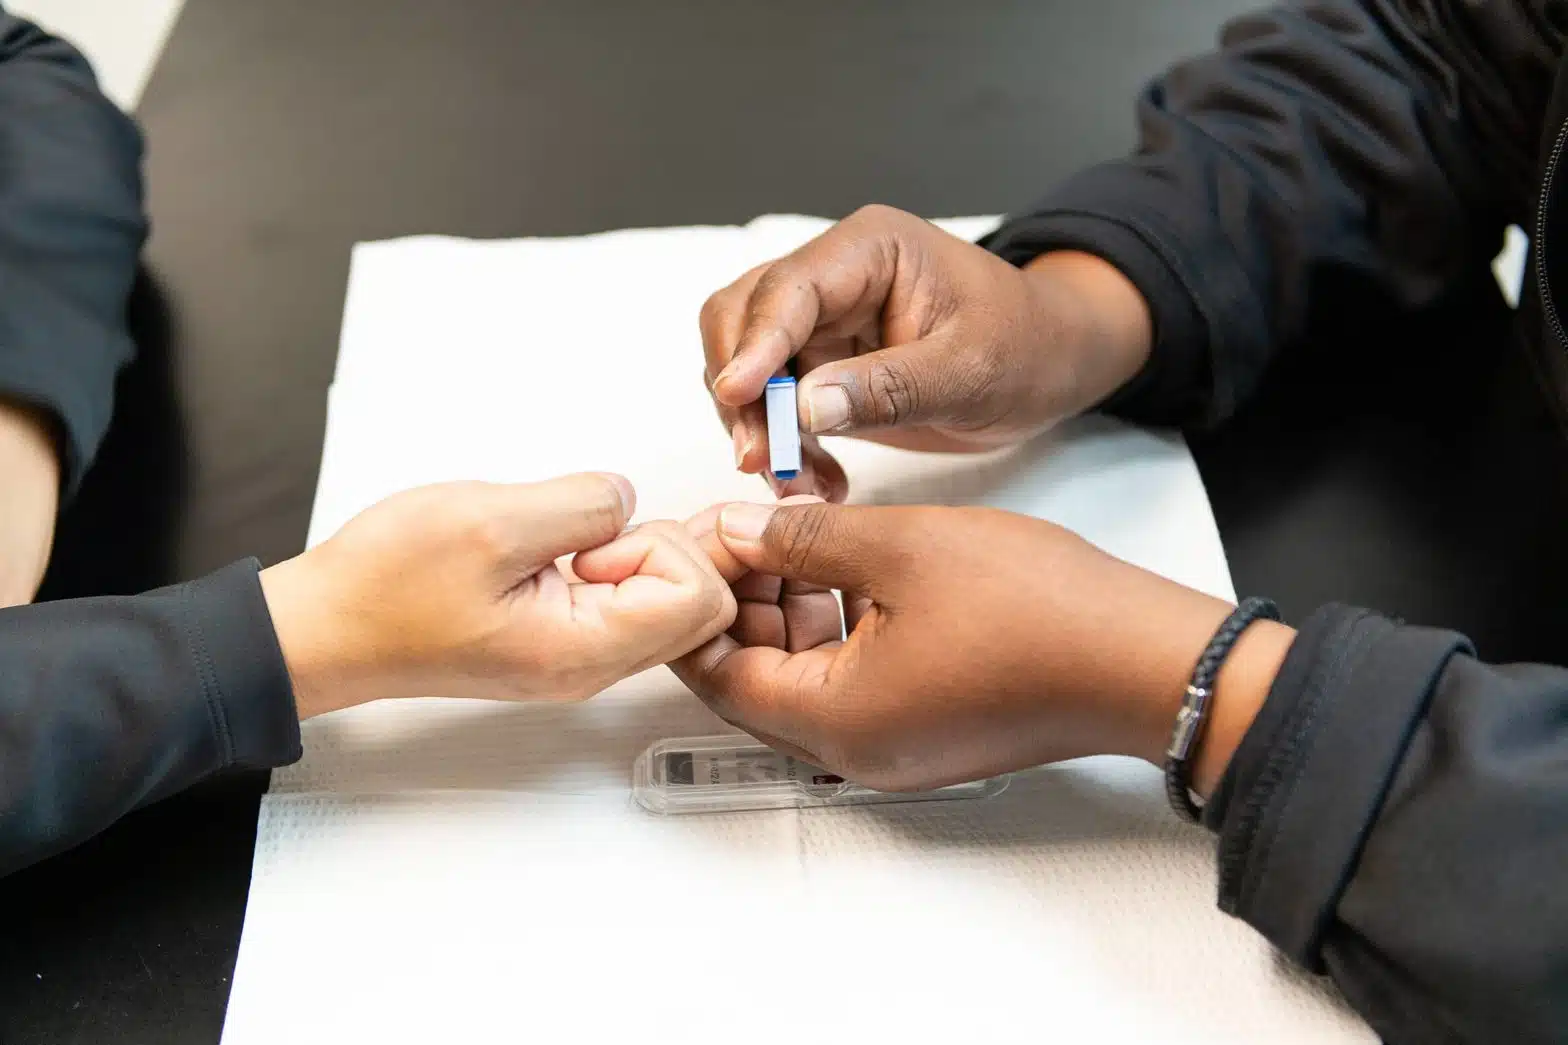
1194	712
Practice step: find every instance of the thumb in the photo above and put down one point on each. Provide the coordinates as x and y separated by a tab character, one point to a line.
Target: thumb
922	382
536	523
858	548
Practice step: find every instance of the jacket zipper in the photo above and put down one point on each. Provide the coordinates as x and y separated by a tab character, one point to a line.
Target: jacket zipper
1548	306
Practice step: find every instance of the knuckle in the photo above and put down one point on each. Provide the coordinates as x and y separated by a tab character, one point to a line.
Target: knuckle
663	530
487	531
893	390
713	608
782	283
712	321
877	214
800	535
712	311
699	602
978	371
602	510
702	599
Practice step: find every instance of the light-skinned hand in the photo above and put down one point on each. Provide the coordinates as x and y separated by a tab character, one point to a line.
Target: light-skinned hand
29	499
454	591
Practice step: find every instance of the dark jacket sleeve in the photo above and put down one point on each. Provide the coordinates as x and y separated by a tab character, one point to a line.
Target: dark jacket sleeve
1397	816
107	704
71	227
1327	148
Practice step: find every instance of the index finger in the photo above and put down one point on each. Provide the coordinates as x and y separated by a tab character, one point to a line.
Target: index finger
704	529
723	320
842	275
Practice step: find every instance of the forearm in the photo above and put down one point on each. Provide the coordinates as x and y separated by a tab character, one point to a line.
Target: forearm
107	704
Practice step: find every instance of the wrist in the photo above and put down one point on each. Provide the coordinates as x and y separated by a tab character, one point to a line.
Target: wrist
1109	332
1241	688
321	670
30	482
1153	661
31	431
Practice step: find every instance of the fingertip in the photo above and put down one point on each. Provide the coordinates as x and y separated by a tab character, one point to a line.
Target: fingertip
803	485
741	382
742	524
740	443
827	476
754	458
760	355
732	390
704	527
704	522
623	490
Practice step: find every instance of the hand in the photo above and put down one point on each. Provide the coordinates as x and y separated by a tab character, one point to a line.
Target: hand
906	335
453	590
29	499
979	642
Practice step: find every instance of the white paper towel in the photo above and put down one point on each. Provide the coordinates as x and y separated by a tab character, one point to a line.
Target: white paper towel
473	872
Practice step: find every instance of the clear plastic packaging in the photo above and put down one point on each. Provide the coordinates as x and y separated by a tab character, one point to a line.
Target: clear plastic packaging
727	774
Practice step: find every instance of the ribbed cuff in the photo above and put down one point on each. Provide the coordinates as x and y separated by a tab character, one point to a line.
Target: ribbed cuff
1308	780
243	675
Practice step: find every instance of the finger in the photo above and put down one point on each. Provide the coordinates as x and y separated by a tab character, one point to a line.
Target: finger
811	618
759	689
703	528
759	624
749	438
826	475
758	587
660	550
841	278
722	321
667	596
563	566
820	475
862	549
930	381
855	609
537	523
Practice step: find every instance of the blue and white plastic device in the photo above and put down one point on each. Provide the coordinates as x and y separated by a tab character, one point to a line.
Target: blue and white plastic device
783	428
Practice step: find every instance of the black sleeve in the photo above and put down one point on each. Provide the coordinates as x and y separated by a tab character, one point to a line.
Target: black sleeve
1397	816
71	227
107	704
1331	155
